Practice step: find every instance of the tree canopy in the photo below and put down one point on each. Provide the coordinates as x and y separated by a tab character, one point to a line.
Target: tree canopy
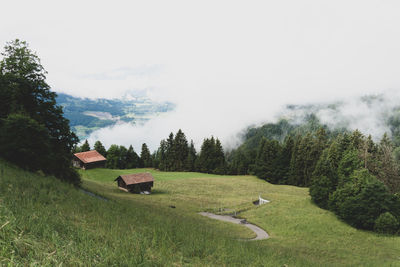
28	107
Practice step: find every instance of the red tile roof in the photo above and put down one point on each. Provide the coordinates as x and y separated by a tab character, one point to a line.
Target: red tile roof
137	178
90	156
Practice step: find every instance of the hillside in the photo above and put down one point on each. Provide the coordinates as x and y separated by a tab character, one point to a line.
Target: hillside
46	222
87	115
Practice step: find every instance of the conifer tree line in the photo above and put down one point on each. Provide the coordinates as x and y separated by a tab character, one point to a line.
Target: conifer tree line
349	174
174	154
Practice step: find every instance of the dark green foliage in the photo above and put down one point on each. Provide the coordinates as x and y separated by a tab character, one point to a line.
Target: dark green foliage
212	157
205	161
145	157
360	201
347	165
181	151
320	191
98	146
191	158
389	172
23	90
122	157
132	159
25	142
240	162
268	161
386	224
85	147
324	180
112	157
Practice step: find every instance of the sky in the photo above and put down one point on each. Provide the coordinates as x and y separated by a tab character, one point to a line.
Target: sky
225	64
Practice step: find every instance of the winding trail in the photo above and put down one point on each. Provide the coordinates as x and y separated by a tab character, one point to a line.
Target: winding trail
261	234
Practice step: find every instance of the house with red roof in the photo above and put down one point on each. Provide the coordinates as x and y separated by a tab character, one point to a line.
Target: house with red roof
89	160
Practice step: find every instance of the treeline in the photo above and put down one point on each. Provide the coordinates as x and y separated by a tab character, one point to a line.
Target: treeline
34	134
174	154
120	157
348	174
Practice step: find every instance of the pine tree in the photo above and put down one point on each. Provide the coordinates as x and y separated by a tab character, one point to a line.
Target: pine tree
284	159
132	159
181	151
162	156
85	147
145	156
389	172
122	157
170	153
219	158
267	163
98	146
191	159
205	162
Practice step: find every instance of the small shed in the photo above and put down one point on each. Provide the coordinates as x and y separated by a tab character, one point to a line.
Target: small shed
136	182
89	160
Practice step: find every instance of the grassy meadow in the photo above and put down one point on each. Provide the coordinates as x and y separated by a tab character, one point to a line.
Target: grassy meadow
46	222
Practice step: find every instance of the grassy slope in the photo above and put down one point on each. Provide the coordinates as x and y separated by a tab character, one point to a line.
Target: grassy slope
298	228
46	222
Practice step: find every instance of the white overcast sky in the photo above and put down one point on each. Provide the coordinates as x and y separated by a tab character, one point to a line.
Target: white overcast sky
226	64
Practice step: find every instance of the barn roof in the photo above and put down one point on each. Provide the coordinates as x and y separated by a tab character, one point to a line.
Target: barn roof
137	178
90	156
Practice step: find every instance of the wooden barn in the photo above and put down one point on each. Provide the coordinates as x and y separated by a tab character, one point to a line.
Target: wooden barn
89	160
135	183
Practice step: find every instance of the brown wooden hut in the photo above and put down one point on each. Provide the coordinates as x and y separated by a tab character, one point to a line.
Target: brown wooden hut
136	182
89	160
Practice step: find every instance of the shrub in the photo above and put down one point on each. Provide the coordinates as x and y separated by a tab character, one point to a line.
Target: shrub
386	224
361	200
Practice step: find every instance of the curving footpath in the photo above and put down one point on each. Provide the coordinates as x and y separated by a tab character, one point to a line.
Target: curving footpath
261	234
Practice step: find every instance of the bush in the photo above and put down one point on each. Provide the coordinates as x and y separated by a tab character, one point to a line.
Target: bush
386	224
361	200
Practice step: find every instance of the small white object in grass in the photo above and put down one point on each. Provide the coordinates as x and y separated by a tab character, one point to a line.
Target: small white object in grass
262	201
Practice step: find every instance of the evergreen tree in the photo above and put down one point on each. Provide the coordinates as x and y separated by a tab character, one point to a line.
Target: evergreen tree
122	157
145	156
268	160
389	172
98	146
132	159
191	159
219	158
112	157
170	153
85	147
162	156
284	159
205	162
181	151
347	165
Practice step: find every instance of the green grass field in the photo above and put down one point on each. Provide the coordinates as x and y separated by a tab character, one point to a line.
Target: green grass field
46	222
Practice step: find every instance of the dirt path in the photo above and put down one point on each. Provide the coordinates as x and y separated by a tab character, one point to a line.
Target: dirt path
261	234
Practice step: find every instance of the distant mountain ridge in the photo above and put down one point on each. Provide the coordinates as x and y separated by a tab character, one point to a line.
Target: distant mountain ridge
87	115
